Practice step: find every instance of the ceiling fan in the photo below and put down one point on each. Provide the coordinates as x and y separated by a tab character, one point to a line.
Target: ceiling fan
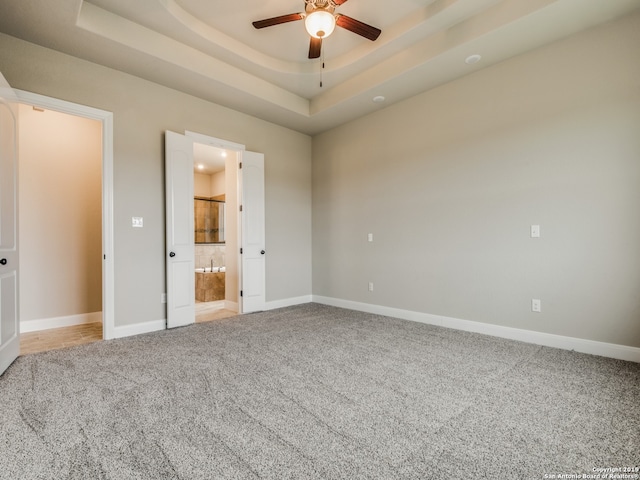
320	21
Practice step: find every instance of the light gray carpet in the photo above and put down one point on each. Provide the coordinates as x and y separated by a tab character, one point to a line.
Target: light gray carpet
316	392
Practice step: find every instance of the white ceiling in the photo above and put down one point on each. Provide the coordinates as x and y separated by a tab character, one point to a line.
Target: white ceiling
208	48
208	159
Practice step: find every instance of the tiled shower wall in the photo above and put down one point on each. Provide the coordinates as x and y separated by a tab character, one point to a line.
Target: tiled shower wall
205	253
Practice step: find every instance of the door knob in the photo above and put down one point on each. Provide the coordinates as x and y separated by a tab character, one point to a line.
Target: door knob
3	261
172	254
262	252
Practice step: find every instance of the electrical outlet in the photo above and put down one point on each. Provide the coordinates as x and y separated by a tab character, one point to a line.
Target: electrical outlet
163	298
371	286
370	237
536	305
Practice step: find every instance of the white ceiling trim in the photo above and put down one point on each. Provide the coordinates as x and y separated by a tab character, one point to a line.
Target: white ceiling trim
435	16
127	33
230	44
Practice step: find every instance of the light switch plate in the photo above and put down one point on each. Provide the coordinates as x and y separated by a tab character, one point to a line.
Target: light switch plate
535	231
136	222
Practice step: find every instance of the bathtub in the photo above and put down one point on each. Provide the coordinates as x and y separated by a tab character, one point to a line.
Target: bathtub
211	270
210	285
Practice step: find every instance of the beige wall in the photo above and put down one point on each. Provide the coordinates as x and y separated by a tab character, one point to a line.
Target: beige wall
450	181
201	185
218	184
60	175
209	185
142	112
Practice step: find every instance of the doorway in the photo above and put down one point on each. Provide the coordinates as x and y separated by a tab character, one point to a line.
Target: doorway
87	295
245	209
214	189
60	229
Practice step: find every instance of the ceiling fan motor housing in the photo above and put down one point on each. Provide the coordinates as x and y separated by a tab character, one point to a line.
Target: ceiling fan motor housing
312	5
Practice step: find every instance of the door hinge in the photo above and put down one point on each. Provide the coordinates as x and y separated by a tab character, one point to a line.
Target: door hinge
240	251
240	165
240	207
241	293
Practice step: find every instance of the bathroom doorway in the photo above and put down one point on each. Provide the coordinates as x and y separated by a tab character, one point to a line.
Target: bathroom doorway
215	227
245	252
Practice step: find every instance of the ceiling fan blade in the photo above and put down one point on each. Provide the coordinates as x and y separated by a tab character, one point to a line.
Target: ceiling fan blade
269	22
314	47
356	26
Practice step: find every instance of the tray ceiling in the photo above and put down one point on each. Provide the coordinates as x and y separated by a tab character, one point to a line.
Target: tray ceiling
210	49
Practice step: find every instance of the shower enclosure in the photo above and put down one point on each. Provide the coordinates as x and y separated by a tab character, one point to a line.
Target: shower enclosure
209	220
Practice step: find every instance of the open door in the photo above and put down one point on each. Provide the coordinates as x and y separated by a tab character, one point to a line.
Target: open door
180	242
253	235
9	324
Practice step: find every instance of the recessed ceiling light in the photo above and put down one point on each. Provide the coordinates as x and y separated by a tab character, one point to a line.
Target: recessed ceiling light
224	154
378	99
200	166
471	59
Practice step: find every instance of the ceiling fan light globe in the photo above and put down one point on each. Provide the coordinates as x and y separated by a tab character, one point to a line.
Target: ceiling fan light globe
320	23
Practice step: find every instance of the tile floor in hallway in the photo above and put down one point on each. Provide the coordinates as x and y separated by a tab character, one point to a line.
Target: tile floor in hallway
44	340
55	338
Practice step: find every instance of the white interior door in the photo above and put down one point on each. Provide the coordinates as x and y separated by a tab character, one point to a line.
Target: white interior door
9	324
253	278
179	219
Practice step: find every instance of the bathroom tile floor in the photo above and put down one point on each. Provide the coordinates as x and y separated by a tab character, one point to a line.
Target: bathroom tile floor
210	311
55	338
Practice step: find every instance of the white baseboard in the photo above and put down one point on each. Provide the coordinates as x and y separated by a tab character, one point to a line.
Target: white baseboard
58	322
288	302
233	306
138	328
611	350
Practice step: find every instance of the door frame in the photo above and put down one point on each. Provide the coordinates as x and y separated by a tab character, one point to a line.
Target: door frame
106	118
239	148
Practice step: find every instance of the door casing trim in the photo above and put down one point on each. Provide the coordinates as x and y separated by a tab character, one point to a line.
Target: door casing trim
108	284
